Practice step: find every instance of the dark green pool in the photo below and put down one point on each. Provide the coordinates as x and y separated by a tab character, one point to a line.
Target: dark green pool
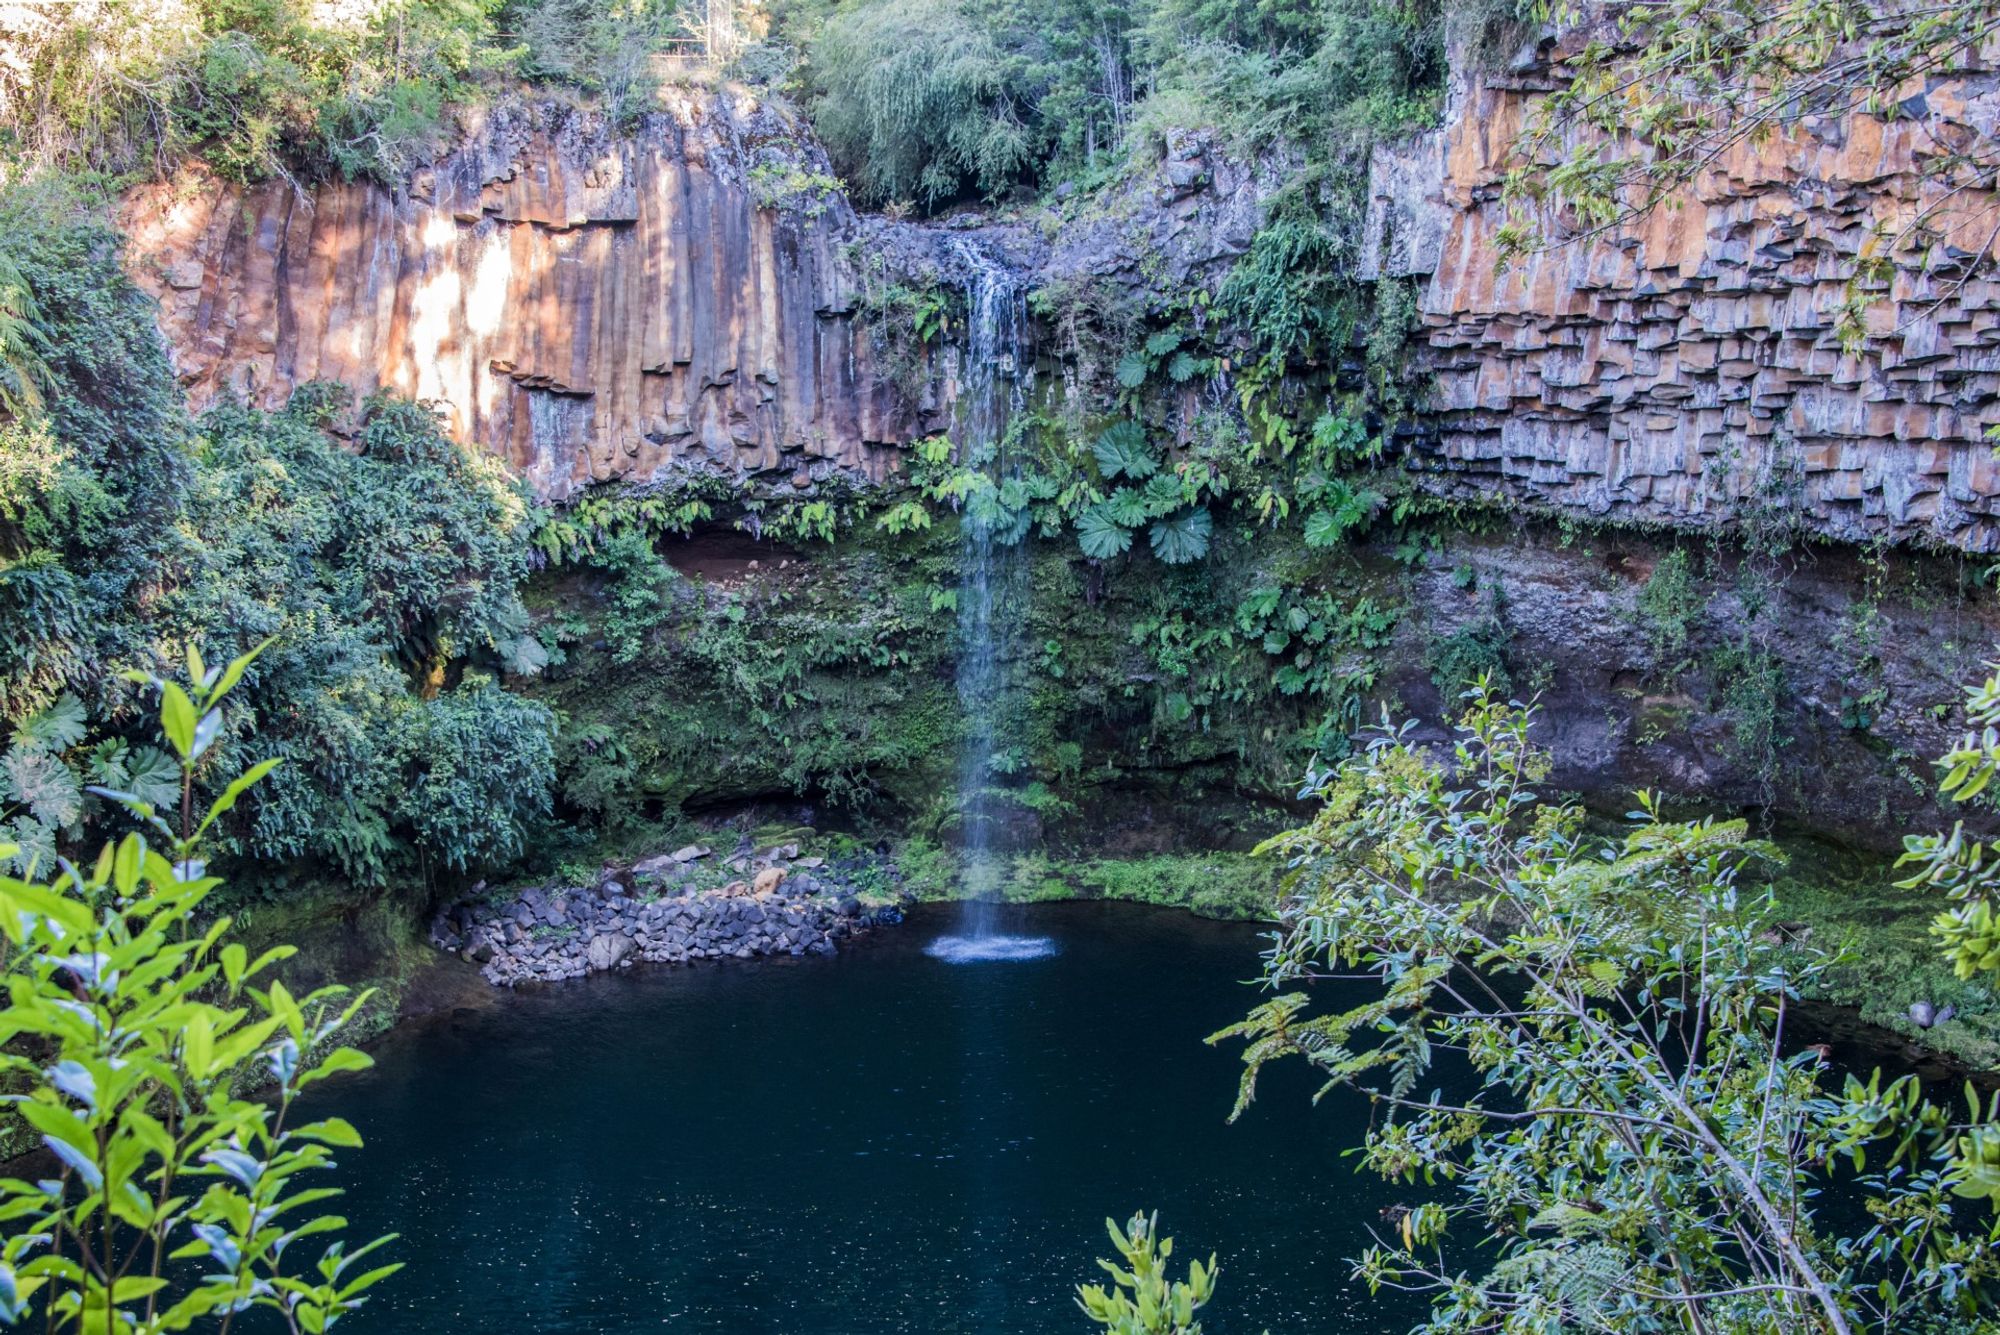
880	1142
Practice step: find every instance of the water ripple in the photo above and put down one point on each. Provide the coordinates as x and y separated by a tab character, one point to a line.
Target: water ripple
990	949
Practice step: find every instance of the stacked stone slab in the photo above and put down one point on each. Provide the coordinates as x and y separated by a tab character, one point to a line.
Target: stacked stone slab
547	934
1687	365
590	304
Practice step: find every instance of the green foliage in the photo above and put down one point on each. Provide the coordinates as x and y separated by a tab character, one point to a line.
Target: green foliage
22	369
603	48
1753	685
1100	533
1961	865
906	319
1182	537
474	766
385	568
641	595
673	504
1142	1299
787	185
1289	291
1670	605
1885	959
1636	1146
130	1025
917	100
927	101
1640	114
375	569
1121	450
90	485
256	87
1475	652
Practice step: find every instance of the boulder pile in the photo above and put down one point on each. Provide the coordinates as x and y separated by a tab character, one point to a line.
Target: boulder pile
664	910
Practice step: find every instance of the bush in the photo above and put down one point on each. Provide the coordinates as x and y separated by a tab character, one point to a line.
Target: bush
920	100
256	87
1635	1144
602	48
131	1025
379	571
386	569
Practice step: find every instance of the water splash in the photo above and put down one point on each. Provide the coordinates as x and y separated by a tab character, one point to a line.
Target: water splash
993	577
990	949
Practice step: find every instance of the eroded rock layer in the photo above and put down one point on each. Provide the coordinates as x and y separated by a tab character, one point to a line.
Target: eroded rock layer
1690	363
588	304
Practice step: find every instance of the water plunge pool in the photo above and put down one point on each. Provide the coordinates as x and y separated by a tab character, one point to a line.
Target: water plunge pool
881	1142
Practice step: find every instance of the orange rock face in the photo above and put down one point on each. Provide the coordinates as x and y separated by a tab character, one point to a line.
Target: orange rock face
1688	364
593	306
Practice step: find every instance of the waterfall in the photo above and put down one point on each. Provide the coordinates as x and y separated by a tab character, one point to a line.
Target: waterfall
992	594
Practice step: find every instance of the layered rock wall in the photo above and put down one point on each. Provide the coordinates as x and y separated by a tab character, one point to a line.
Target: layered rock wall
591	305
1689	364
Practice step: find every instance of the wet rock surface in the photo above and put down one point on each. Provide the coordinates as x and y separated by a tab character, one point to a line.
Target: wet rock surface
665	910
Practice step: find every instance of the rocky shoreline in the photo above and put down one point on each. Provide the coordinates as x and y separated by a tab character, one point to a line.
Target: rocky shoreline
676	908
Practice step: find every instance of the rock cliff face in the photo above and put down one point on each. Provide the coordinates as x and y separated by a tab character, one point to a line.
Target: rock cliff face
588	304
1690	362
1850	687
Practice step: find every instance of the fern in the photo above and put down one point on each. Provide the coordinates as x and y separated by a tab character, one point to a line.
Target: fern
1583	1280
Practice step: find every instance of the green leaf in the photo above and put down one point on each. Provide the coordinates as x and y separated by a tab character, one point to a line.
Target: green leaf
1131	370
1100	535
56	728
39	781
335	1063
19	897
240	785
234	672
335	1131
1122	450
1324	528
152	776
177	718
1127	506
1179	539
1164	495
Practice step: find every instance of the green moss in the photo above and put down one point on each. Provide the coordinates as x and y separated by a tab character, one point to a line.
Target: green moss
362	943
1850	903
827	675
1213	885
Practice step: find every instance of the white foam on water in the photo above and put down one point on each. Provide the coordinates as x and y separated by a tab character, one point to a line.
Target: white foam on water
990	949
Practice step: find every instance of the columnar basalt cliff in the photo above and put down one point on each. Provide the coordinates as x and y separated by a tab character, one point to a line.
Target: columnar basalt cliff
591	305
1690	362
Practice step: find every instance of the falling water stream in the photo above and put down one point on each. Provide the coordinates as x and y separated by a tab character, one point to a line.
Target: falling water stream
992	598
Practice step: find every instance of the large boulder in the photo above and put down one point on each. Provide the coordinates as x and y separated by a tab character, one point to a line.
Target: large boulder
607	949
